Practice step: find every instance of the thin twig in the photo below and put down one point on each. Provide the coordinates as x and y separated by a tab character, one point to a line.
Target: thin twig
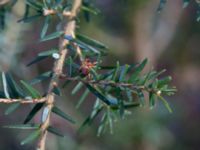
106	83
110	83
69	25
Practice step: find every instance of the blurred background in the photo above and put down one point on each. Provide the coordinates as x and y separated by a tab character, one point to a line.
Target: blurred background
132	30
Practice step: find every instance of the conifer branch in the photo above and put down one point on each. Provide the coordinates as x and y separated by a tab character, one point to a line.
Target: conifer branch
69	25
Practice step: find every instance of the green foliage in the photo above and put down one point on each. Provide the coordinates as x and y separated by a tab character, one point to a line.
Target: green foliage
52	36
11	90
41	77
60	113
33	112
33	136
23	126
30	90
118	89
55	131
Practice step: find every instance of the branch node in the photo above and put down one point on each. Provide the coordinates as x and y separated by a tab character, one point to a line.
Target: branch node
47	12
